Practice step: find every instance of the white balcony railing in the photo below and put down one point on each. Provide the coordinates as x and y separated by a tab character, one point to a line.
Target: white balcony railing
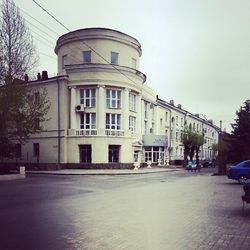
114	132
84	132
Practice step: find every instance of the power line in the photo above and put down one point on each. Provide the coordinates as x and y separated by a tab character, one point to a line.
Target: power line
97	53
39	22
47	55
40	29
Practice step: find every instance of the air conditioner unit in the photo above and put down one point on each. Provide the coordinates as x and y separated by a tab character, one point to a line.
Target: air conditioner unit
79	108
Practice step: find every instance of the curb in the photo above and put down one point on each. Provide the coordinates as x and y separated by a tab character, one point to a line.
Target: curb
136	172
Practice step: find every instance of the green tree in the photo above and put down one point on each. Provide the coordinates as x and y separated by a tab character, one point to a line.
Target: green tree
197	140
186	139
240	146
22	107
192	142
22	111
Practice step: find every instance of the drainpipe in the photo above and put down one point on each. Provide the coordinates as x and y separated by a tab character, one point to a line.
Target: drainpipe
170	133
58	125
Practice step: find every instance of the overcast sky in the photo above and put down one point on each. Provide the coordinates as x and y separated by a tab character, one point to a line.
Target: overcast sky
196	52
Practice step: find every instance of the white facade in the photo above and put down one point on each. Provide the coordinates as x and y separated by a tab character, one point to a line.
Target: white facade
102	112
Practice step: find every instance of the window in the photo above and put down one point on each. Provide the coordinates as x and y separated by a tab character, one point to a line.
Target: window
113	98
114	58
132	102
176	136
160	122
176	120
182	122
87	56
134	63
152	129
152	111
88	121
166	117
88	97
145	110
113	121
132	123
36	150
36	98
153	154
64	60
85	153
114	153
145	127
18	150
37	123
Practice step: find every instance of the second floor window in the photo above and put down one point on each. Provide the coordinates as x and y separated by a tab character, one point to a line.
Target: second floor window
87	97
145	110
114	58
36	123
132	102
87	56
134	63
113	98
36	98
113	121
166	117
64	60
132	123
88	121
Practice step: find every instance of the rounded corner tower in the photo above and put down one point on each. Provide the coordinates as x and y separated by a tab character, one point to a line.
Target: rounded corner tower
104	93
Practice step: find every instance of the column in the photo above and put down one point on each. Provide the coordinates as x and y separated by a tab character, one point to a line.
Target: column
139	117
72	107
125	104
101	110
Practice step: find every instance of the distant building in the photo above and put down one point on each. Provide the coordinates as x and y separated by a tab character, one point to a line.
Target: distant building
103	113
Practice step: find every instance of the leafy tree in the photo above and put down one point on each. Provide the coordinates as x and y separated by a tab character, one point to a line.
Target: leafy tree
223	152
240	146
192	142
186	139
22	108
198	141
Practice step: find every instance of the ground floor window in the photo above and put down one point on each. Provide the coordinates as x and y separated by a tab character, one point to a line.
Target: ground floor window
85	153
114	151
153	154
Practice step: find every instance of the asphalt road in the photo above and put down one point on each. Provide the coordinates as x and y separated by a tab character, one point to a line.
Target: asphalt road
172	210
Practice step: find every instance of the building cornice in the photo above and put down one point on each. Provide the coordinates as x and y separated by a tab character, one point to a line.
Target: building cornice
83	35
99	67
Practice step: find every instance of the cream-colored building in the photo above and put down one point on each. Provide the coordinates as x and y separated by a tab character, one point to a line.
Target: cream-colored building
102	111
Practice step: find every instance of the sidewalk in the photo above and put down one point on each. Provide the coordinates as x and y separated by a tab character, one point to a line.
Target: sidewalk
105	171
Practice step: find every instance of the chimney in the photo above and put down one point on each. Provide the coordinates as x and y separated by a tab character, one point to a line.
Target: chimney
179	106
172	102
44	75
39	78
26	78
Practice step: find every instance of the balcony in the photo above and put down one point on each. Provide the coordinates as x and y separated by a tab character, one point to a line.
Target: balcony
114	132
85	132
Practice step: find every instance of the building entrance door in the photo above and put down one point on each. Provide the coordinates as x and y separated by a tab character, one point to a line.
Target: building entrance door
85	153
